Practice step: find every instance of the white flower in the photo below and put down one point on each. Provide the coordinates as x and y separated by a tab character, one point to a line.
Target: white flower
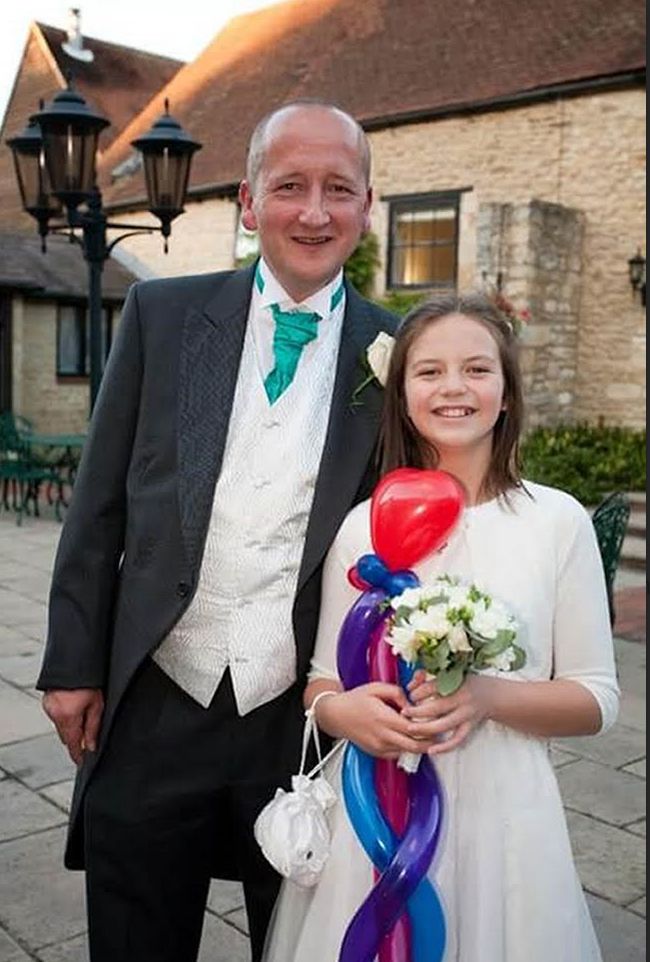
432	622
404	642
458	640
486	622
378	355
409	598
503	661
458	596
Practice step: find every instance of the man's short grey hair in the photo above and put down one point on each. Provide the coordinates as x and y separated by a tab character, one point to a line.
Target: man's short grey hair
257	144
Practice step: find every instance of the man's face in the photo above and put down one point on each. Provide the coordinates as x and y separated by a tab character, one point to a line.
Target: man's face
310	201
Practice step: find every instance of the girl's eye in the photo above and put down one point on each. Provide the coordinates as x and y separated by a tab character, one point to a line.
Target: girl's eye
476	369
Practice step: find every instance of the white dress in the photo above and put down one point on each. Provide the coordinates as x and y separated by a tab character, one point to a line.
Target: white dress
504	870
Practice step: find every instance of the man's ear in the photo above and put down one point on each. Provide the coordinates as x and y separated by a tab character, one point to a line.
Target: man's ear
248	218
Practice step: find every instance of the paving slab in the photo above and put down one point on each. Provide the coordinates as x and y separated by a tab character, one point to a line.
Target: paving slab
610	861
22	812
222	942
60	794
559	757
239	919
617	747
636	768
10	951
71	950
621	933
225	896
22	670
637	828
37	761
631	666
28	582
40	903
21	716
15	609
604	793
632	713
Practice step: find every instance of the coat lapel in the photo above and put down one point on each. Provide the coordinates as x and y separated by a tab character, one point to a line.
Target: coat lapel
351	435
213	338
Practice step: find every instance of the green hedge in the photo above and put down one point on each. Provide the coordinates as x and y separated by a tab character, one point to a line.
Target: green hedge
588	461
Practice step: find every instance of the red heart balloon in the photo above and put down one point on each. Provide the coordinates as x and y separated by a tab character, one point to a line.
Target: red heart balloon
412	512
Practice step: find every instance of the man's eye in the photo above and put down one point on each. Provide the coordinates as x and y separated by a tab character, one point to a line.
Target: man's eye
289	185
340	189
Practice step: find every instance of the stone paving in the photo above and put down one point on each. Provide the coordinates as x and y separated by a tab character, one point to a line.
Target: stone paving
42	905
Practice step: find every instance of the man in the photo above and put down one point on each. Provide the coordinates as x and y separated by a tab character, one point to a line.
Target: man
223	454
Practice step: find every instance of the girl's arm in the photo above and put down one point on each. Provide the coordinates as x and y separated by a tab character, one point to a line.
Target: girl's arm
547	709
582	696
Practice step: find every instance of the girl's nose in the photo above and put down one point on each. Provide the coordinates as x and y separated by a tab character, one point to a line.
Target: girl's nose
452	383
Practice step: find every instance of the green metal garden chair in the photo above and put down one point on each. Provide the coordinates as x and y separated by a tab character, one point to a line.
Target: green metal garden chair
21	473
610	522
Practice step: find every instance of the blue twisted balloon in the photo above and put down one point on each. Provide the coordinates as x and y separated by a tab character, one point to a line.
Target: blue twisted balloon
403	863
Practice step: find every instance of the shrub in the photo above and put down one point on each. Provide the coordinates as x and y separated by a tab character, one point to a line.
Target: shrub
588	461
401	302
362	264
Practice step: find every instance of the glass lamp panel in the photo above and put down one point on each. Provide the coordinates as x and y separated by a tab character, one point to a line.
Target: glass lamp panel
70	159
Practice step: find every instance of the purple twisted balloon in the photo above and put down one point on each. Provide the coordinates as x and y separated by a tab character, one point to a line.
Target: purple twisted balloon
411	858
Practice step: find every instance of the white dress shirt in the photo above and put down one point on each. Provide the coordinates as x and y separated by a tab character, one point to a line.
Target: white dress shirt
241	614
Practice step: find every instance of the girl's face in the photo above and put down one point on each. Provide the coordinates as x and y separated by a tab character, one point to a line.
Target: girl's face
453	384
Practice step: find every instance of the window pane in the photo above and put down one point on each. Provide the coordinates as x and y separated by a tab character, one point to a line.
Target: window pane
70	347
423	244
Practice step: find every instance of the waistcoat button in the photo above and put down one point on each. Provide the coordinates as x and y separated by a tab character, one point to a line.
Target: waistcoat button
183	589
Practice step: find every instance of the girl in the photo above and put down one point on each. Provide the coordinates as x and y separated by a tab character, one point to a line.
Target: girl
504	871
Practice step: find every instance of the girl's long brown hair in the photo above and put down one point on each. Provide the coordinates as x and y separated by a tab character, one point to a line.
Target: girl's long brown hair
400	443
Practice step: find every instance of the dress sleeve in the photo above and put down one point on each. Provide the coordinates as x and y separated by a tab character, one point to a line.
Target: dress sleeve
583	648
337	598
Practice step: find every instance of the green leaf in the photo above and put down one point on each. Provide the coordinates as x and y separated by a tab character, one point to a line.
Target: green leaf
520	658
498	644
449	681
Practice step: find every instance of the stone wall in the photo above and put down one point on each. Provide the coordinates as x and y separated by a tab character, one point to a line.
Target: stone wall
54	405
585	154
535	251
202	240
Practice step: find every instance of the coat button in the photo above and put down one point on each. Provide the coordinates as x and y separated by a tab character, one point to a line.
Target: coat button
183	589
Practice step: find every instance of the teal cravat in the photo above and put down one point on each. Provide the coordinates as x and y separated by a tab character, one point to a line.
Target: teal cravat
293	329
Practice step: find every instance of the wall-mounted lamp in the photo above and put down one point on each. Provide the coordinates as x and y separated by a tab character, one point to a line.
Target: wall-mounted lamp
636	267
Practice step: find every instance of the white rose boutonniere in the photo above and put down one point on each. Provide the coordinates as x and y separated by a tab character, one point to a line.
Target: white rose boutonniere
376	362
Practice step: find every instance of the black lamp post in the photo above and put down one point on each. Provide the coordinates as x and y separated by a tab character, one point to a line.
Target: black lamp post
55	167
637	270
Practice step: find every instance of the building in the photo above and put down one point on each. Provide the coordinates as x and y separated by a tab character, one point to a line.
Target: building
508	143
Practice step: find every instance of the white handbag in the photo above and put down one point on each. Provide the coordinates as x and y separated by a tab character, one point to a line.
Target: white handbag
292	828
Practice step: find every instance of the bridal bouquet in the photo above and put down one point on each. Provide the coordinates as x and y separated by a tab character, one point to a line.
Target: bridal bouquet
450	628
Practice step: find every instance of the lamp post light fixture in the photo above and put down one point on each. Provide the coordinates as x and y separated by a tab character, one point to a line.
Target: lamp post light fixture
54	159
637	271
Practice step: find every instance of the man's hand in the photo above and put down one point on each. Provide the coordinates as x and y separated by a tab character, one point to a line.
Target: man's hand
76	715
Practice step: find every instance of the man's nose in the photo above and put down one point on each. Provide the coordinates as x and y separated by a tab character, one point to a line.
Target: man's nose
315	212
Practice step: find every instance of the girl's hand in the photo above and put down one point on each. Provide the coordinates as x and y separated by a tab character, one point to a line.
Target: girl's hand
372	717
444	720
